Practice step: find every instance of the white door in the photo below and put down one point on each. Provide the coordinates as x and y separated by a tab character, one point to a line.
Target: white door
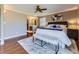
43	22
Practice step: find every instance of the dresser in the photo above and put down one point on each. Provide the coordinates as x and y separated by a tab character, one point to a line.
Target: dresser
73	33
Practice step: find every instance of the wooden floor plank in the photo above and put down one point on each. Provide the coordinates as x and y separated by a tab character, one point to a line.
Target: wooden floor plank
12	47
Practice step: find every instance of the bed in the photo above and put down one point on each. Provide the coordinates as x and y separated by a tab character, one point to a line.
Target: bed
53	35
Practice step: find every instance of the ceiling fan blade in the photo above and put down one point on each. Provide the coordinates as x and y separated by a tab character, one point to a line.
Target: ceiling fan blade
38	9
44	9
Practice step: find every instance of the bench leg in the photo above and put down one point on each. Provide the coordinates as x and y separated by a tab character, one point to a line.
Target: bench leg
33	39
42	43
57	49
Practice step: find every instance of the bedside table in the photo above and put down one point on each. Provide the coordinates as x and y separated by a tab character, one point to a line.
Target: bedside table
29	33
73	33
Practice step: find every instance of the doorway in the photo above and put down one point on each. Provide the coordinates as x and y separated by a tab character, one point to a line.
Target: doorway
32	21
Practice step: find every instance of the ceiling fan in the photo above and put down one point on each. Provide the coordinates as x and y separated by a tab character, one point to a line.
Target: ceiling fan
38	9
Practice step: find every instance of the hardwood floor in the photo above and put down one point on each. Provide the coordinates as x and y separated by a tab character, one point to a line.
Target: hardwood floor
12	47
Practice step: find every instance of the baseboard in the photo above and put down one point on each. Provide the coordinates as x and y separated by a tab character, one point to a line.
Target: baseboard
1	42
11	37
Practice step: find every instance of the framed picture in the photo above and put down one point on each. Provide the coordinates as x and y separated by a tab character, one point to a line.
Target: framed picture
57	17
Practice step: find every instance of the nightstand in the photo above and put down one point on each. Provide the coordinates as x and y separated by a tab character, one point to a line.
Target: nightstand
73	33
29	33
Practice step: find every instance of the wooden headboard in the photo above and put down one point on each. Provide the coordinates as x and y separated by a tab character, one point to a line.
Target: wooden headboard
61	23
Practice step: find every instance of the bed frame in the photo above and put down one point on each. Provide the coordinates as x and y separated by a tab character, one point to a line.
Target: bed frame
61	23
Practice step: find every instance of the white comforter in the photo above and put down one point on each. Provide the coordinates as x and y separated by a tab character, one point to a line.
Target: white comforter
53	36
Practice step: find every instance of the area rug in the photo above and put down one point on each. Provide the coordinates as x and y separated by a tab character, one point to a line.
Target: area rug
33	48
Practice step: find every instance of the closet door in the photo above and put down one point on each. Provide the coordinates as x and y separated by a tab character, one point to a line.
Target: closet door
42	22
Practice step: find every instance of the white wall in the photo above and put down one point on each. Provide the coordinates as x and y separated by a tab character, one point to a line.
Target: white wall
14	24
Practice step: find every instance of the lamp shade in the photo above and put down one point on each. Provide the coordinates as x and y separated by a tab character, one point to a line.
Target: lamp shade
77	22
72	22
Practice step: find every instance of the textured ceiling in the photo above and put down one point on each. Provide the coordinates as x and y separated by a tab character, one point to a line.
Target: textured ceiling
29	9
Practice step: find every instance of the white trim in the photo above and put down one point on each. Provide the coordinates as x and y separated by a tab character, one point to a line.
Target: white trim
5	38
2	18
15	11
2	42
